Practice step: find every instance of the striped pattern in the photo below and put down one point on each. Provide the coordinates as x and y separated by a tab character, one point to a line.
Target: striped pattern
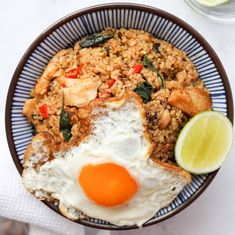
66	35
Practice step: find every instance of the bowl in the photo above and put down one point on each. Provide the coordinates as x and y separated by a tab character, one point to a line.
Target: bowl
65	32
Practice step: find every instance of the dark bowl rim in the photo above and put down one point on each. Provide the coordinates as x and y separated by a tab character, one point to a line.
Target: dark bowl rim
118	5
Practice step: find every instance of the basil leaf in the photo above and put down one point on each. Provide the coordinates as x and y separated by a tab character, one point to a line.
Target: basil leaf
147	62
67	134
144	90
64	119
33	116
156	48
184	120
34	132
95	39
65	126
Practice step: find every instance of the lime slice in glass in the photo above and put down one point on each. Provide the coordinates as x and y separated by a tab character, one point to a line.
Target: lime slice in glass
212	3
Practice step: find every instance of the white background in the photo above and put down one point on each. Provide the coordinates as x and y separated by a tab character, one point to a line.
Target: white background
21	21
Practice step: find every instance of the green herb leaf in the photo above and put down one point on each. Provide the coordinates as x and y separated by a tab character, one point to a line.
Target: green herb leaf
34	132
64	119
144	90
147	62
95	39
65	126
33	116
184	120
67	134
156	48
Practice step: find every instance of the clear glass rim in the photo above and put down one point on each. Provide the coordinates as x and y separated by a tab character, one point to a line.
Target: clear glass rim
227	18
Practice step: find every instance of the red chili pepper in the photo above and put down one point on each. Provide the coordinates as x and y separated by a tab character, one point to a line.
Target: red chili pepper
111	82
73	73
137	68
44	110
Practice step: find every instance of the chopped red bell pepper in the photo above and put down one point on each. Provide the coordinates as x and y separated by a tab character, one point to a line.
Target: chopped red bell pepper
73	73
137	68
44	110
111	82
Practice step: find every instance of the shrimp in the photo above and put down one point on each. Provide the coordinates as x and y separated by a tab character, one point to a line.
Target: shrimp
190	100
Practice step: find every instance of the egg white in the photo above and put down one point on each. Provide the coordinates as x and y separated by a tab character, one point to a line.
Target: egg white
118	136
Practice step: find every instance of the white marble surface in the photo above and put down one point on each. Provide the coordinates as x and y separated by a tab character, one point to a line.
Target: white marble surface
21	21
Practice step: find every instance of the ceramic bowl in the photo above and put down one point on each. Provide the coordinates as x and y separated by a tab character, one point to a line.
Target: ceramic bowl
65	32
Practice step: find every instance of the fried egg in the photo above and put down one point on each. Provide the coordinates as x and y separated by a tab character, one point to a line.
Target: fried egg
109	175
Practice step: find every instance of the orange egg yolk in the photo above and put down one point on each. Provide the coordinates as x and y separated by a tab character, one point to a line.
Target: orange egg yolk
107	184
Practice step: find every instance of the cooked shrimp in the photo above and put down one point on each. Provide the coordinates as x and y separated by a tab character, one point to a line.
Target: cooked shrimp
190	100
29	107
55	68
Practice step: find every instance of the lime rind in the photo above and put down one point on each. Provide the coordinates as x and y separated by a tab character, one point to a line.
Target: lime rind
212	3
184	132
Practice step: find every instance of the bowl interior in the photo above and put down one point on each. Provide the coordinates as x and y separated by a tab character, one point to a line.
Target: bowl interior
74	27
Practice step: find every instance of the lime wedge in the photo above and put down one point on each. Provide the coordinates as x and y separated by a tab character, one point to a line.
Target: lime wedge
204	142
212	3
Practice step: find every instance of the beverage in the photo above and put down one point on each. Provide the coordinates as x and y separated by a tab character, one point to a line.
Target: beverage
222	11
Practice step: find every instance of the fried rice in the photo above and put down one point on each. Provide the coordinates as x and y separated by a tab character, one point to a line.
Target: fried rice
117	63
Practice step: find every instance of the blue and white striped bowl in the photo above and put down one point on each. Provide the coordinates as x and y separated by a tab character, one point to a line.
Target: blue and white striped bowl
72	28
